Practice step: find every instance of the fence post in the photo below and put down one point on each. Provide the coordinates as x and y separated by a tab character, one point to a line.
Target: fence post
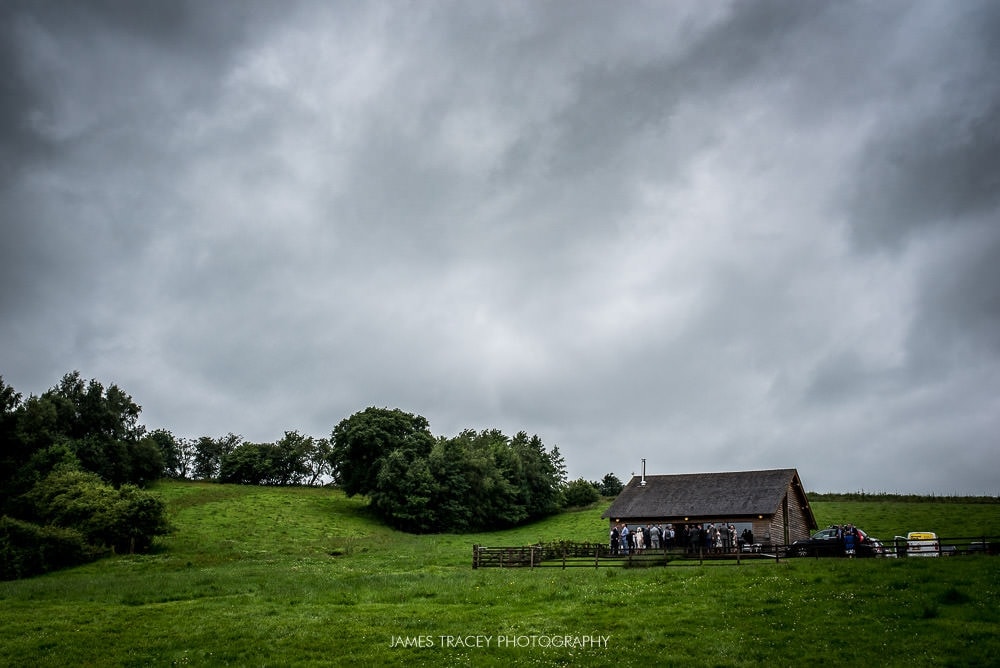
475	556
564	556
597	552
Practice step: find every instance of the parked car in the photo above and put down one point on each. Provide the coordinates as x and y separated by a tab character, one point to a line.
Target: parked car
981	546
922	544
877	547
828	543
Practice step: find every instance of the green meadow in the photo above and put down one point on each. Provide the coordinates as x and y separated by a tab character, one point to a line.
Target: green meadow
257	576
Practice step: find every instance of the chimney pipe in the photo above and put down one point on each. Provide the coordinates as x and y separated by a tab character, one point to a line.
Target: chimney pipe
643	481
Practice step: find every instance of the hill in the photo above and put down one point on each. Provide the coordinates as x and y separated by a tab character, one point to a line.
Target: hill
305	576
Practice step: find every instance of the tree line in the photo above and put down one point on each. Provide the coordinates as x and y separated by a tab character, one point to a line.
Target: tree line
74	462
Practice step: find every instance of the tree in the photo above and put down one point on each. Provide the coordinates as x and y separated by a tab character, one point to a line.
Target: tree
209	453
13	453
362	442
610	485
580	493
404	492
318	460
187	452
145	461
290	459
70	463
9	399
472	492
281	463
87	409
247	464
474	481
170	452
207	458
539	475
99	426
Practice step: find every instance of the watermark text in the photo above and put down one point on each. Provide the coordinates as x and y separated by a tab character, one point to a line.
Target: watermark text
501	641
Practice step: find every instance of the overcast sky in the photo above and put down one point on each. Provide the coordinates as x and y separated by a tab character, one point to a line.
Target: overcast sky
716	235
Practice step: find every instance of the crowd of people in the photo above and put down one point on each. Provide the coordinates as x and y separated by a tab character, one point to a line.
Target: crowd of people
711	537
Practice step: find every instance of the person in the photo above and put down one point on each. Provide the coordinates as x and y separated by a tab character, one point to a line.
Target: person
640	540
850	539
615	539
626	537
654	536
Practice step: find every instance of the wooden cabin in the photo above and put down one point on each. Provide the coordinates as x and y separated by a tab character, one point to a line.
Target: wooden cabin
772	503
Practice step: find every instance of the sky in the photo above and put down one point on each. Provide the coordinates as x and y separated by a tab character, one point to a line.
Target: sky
717	236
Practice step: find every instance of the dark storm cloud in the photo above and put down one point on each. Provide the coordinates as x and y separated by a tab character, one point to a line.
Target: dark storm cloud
92	87
937	170
716	236
927	183
18	141
936	163
959	308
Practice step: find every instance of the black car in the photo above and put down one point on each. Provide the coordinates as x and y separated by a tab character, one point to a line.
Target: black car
827	543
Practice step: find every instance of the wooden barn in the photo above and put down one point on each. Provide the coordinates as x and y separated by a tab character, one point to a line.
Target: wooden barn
772	504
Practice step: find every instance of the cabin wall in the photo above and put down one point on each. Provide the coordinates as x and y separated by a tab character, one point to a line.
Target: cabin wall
798	521
789	523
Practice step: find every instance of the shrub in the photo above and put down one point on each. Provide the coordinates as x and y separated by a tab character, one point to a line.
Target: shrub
125	519
28	549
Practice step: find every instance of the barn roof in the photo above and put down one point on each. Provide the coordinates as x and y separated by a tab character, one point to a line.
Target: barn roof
717	495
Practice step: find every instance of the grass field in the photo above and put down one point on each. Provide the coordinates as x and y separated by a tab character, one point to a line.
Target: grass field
303	576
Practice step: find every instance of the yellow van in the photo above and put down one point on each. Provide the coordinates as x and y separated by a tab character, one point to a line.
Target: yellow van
922	544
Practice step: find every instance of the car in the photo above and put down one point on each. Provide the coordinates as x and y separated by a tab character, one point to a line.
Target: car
981	546
922	544
829	543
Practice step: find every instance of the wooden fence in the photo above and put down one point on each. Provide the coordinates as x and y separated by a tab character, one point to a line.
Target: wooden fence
596	555
565	554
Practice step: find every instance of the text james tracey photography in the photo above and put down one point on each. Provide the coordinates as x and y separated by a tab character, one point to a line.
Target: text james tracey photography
501	641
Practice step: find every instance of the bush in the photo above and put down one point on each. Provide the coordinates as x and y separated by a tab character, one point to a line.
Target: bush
125	519
28	549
